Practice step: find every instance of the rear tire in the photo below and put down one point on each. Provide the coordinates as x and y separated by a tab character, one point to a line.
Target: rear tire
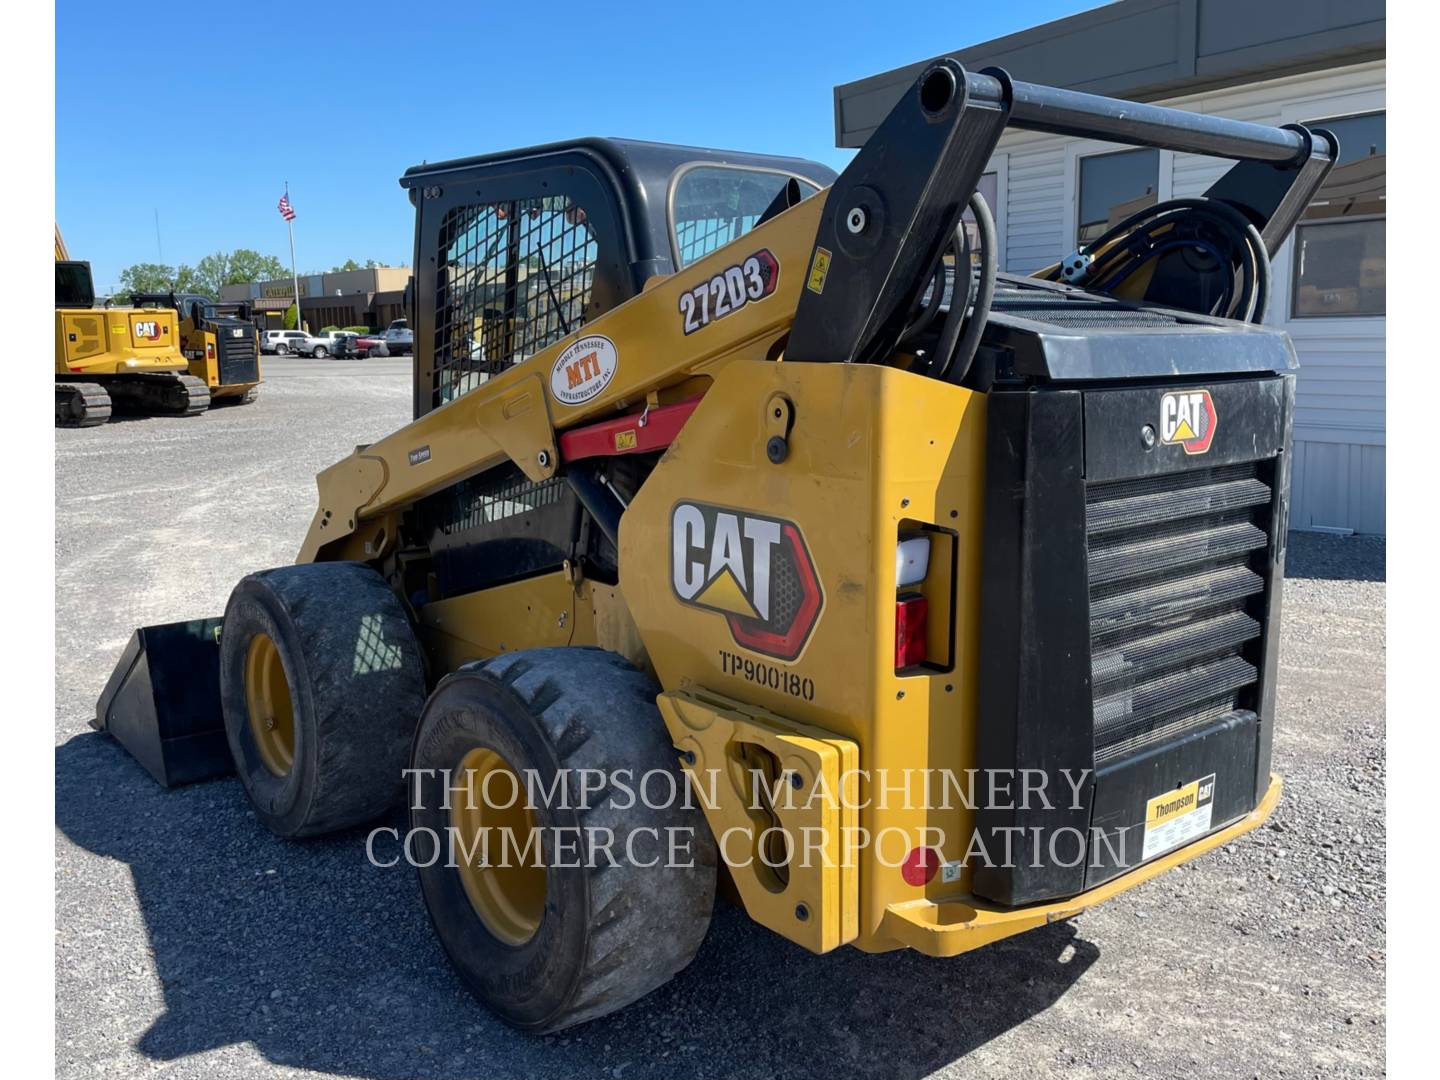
320	353
282	350
321	685
597	937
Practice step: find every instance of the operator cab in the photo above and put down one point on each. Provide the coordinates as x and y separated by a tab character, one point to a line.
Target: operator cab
528	245
74	286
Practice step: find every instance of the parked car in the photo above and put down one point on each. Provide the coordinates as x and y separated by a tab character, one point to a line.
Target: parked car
371	345
399	338
326	343
342	345
283	342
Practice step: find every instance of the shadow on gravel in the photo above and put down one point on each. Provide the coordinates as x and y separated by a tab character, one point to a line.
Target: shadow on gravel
1335	558
324	961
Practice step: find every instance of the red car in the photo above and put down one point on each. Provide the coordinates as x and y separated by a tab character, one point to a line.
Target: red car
370	345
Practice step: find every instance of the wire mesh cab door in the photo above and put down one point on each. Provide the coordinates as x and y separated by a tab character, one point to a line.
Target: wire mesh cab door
511	256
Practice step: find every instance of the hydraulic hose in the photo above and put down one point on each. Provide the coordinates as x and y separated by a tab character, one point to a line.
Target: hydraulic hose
970	299
961	293
1208	226
957	364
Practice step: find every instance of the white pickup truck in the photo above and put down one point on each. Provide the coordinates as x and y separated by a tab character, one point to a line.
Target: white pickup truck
326	343
399	338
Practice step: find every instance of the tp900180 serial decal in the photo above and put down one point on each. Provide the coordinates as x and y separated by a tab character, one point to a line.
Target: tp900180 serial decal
730	290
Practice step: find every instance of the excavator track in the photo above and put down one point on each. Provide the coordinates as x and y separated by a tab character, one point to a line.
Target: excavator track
81	405
158	394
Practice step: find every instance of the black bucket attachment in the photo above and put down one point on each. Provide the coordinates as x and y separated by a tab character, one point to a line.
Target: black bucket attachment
162	702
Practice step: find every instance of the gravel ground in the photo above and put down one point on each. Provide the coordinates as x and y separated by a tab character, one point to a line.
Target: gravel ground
190	942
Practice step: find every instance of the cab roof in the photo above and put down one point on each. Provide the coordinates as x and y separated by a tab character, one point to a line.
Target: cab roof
639	173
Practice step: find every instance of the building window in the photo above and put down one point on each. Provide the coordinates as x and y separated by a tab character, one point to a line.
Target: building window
1340	243
1114	186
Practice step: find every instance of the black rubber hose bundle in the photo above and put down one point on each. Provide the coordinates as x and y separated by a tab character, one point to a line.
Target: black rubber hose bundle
970	299
1205	225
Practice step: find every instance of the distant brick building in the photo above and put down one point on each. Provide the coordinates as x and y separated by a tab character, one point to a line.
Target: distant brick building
372	297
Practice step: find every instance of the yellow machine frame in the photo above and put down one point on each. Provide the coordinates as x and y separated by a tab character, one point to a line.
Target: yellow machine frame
106	341
884	451
114	341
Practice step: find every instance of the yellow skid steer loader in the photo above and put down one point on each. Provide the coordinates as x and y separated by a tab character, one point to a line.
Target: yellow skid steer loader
751	522
220	342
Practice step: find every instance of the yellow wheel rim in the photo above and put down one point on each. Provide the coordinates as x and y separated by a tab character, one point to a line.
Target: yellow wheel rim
267	700
492	824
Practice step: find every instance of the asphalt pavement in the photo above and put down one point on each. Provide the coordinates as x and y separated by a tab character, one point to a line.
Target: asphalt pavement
191	942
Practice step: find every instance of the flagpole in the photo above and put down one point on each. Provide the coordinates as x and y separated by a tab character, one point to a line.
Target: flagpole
294	276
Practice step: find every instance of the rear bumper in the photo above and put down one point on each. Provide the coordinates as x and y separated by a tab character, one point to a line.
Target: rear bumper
950	927
232	389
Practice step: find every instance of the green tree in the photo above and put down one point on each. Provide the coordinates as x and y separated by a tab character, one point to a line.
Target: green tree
214	272
207	276
351	264
147	278
248	265
185	279
292	316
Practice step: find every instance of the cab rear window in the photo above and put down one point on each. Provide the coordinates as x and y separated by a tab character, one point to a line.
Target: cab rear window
711	205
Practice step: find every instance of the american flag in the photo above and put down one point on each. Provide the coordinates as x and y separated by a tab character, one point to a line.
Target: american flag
286	211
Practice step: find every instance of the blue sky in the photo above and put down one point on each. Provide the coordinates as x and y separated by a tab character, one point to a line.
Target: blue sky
341	98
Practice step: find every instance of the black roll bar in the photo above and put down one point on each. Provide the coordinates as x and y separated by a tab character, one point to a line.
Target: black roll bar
890	213
1090	116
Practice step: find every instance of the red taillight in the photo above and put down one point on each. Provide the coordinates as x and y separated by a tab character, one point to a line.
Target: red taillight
209	351
920	866
910	613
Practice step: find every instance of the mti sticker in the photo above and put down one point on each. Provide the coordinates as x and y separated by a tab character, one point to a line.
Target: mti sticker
584	370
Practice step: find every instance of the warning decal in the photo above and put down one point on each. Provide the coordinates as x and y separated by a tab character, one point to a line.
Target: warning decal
819	271
1178	816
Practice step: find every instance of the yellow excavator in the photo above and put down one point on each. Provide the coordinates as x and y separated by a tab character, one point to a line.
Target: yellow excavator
113	360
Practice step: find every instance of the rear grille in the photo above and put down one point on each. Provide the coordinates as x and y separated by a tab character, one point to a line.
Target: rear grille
238	362
1175	588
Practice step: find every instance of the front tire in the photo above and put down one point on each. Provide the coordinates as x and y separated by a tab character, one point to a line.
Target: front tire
554	945
321	686
320	352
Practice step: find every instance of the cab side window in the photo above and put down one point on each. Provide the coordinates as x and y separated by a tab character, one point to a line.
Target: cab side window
514	277
711	205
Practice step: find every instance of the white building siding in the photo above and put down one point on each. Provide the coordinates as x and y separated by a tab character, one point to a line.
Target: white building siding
1339	466
1034	210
